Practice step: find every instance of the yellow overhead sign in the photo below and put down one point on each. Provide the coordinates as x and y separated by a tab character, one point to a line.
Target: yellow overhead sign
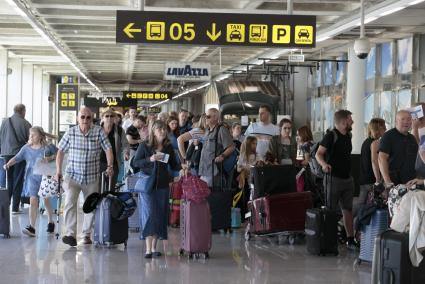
216	29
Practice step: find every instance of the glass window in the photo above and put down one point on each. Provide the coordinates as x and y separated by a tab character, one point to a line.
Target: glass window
328	80
386	112
370	64
387	59
404	99
329	113
340	71
369	107
404	55
318	77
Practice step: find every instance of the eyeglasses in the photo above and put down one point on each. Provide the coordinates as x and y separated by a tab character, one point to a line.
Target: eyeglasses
88	117
108	116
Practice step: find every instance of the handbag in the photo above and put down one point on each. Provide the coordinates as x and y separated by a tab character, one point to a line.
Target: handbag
49	187
194	188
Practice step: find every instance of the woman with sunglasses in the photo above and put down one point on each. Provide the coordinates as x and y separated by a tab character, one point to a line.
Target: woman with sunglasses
283	147
118	140
155	157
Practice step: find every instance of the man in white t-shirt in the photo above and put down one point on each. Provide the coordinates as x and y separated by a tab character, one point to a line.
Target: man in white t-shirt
132	112
263	130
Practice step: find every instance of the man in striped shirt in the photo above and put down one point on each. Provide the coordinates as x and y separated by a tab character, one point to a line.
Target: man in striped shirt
84	144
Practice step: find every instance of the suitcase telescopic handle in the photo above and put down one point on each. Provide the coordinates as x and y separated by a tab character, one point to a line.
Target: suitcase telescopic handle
105	175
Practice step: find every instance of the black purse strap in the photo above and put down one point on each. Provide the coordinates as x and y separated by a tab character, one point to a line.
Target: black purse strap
14	133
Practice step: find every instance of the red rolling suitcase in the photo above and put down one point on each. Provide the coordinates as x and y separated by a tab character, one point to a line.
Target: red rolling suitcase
279	213
195	228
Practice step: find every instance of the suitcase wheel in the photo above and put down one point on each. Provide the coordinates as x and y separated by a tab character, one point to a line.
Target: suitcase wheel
206	255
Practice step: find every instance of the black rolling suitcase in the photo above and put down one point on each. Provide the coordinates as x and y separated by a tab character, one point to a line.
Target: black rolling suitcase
4	211
107	230
220	201
321	229
273	179
392	263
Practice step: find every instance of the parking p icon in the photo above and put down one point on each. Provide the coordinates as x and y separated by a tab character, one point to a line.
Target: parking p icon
281	34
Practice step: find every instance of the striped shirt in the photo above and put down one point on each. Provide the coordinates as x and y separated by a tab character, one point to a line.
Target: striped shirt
84	153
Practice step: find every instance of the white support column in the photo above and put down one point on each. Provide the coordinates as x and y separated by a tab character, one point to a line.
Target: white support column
27	90
37	96
300	97
356	85
3	83
14	84
45	104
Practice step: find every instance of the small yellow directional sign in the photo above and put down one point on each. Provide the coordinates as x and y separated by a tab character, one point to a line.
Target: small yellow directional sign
281	31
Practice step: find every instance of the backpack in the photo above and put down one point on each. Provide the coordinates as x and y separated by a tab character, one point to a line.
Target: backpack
315	167
229	162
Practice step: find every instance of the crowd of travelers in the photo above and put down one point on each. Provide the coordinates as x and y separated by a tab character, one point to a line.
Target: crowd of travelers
119	144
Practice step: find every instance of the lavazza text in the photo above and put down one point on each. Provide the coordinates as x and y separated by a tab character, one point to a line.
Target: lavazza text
187	71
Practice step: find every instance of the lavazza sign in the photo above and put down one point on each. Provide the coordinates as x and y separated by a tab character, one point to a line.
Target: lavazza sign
193	71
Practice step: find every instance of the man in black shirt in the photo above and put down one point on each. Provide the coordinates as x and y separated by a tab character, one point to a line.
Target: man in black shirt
334	155
397	152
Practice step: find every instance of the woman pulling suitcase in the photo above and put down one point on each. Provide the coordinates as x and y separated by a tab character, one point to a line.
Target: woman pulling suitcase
153	158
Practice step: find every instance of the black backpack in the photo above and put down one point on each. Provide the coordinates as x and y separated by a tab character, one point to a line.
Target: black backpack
315	167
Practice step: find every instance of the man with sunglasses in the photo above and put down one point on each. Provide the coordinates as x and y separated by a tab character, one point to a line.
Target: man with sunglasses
84	144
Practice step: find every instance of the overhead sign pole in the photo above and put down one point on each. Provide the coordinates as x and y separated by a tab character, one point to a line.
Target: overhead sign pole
280	31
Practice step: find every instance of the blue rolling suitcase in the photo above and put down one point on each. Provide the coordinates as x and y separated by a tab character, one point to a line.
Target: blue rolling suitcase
378	224
134	220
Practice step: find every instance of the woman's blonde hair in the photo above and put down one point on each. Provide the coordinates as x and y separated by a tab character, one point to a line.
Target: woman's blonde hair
373	128
110	111
43	135
247	146
158	124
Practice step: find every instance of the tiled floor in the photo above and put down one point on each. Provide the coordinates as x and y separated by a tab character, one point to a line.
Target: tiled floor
45	260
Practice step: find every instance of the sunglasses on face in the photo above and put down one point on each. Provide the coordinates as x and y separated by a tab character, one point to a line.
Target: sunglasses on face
85	117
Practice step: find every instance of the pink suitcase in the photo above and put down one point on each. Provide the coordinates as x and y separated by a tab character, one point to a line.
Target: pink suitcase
195	228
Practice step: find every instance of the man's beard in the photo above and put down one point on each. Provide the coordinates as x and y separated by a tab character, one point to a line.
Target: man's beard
348	128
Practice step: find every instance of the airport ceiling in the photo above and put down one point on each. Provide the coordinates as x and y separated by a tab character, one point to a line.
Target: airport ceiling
85	31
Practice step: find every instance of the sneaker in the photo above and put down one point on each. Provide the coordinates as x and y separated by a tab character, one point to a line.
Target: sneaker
17	212
29	231
51	228
156	254
86	241
353	245
148	255
69	240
